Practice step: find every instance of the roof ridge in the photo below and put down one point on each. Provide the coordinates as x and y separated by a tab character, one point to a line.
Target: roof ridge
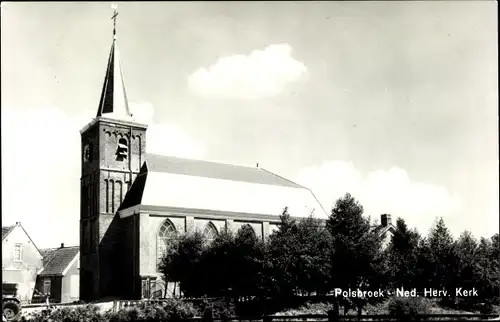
303	187
29	237
201	160
54	248
277	175
319	203
58	248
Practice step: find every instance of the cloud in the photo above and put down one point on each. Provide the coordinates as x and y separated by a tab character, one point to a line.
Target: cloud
166	139
41	167
262	73
382	191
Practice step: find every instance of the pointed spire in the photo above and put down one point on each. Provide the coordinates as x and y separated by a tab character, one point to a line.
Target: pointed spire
114	101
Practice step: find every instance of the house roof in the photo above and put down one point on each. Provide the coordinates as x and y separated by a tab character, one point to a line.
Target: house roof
6	230
381	230
56	260
195	184
47	254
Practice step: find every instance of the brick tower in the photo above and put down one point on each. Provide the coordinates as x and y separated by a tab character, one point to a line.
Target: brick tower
113	149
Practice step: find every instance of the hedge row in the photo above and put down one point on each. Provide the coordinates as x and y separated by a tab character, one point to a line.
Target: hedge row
171	310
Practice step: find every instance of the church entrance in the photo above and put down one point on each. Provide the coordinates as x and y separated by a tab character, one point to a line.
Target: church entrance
155	288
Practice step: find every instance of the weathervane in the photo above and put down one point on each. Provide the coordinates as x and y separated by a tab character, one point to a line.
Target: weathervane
115	14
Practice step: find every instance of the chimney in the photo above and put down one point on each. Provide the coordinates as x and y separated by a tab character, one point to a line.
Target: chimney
62	245
385	220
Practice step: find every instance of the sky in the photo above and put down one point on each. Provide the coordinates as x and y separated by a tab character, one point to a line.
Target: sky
393	102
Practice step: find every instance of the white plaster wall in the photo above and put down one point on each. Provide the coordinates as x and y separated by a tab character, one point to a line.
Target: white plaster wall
21	273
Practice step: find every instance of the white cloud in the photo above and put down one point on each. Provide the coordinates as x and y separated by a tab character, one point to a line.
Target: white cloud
41	167
166	139
382	191
262	73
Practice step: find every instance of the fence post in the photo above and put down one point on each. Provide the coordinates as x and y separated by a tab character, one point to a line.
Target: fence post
333	315
208	315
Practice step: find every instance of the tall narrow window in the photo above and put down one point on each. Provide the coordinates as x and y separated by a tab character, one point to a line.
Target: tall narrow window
84	237
118	195
107	194
91	235
91	198
18	253
96	198
166	235
112	182
120	186
210	232
82	201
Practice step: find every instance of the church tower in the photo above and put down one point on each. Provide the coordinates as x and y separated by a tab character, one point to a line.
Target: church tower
113	150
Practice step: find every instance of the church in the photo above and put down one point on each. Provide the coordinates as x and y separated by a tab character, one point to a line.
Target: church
133	203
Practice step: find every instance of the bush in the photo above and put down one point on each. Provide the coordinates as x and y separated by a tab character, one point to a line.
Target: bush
88	313
377	309
309	308
409	306
169	310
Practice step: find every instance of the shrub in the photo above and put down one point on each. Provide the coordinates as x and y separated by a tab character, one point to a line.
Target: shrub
309	308
377	309
88	313
220	310
170	310
178	310
408	306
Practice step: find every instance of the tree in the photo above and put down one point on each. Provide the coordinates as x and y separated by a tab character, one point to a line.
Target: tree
281	258
248	262
314	256
357	260
495	244
402	254
494	260
440	250
488	269
183	263
219	265
467	260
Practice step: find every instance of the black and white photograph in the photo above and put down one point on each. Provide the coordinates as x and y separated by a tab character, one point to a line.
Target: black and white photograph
263	161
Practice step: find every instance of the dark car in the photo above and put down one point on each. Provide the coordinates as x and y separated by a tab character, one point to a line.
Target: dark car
11	305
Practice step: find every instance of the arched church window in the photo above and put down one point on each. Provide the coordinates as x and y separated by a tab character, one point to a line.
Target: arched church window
122	150
249	228
166	235
210	232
